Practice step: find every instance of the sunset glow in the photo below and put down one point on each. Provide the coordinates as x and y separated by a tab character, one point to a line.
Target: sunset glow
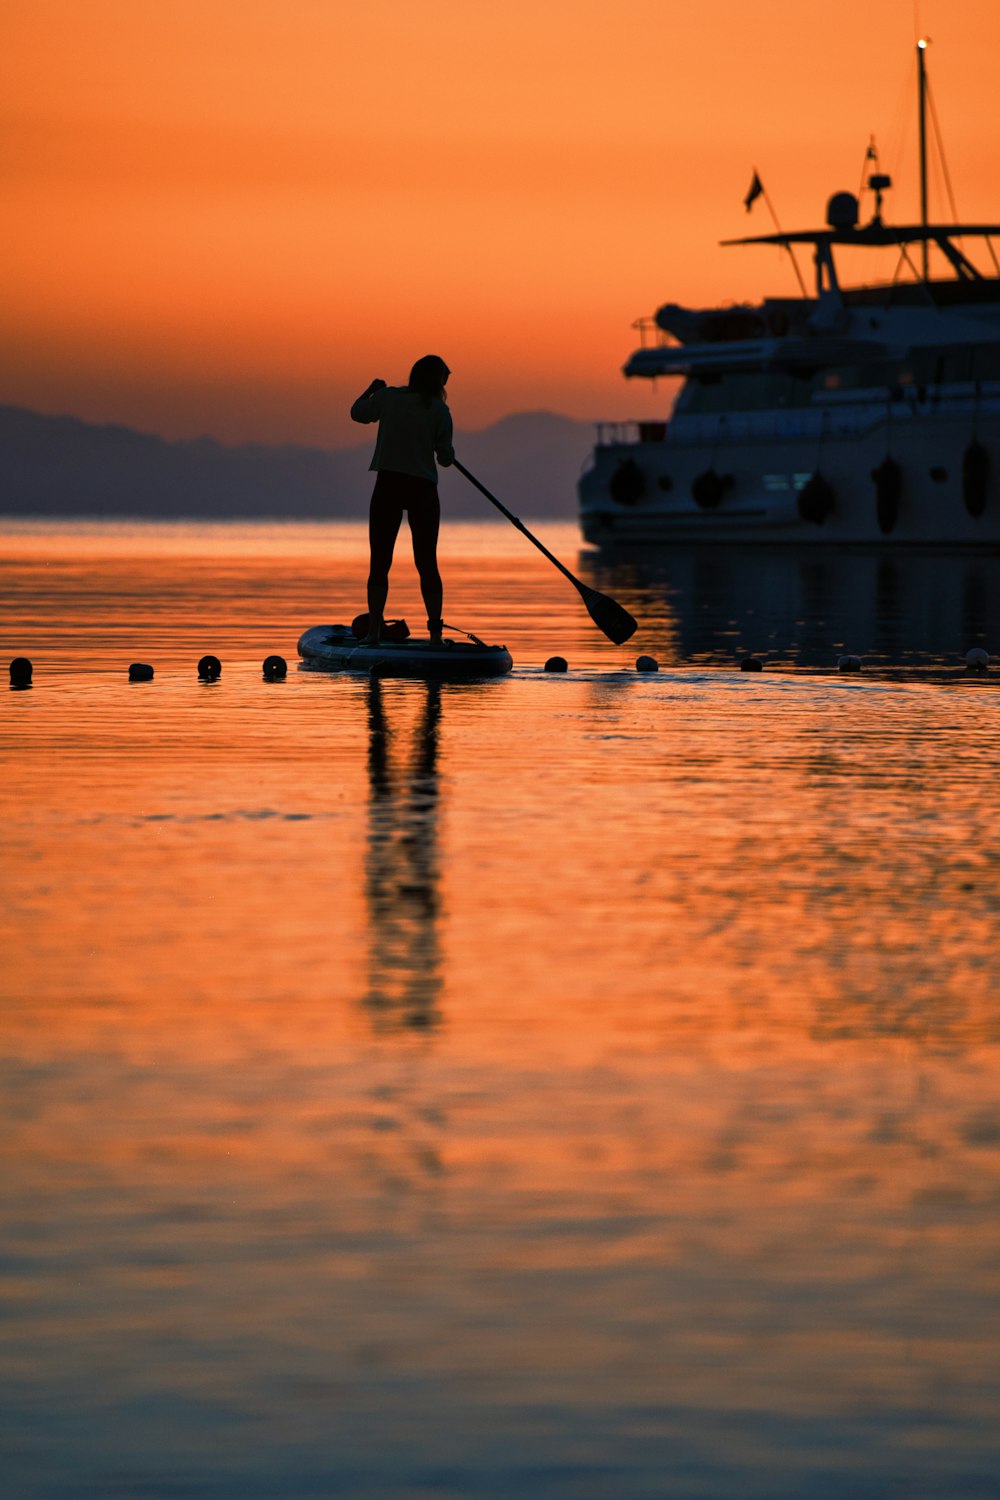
227	219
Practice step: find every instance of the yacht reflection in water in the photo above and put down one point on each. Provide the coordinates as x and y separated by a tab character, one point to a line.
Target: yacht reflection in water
800	608
402	878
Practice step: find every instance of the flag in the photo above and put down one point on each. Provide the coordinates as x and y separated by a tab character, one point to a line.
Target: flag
756	188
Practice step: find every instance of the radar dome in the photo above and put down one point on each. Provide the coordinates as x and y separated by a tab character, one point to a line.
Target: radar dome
842	211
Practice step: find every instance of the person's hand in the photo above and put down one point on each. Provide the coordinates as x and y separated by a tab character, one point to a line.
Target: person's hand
376	385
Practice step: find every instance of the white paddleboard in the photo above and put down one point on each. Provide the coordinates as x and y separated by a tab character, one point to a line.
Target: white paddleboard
332	648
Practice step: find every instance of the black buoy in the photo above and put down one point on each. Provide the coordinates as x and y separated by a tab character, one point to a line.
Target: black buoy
627	484
849	663
888	479
646	664
140	671
275	669
977	660
209	668
708	488
20	672
975	477
751	664
816	499
557	664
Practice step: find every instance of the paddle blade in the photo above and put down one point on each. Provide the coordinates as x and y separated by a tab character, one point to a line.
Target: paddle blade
609	616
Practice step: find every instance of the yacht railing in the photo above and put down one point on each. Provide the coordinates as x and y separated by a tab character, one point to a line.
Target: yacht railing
651	335
842	413
619	434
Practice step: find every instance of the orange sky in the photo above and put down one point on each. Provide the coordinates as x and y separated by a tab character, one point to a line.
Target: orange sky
227	217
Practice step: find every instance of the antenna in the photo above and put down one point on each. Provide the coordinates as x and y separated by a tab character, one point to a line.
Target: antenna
879	182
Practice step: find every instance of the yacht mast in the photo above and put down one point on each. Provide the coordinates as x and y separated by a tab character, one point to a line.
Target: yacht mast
922	98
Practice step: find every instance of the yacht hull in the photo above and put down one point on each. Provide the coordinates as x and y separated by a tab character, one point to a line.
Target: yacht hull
924	474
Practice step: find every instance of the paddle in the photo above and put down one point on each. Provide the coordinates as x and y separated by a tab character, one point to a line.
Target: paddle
609	616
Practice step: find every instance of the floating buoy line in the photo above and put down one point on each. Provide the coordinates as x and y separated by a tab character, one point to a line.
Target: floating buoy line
975	664
275	669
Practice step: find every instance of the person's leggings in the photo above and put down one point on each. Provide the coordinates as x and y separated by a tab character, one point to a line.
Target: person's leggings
393	494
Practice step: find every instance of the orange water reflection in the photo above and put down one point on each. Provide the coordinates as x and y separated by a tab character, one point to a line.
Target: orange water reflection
402	878
571	1086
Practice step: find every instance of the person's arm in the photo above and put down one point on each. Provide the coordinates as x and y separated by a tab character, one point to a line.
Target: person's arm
368	407
443	439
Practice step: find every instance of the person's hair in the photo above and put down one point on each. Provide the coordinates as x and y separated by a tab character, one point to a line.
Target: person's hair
428	377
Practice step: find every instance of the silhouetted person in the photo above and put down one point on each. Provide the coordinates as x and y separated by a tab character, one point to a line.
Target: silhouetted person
414	428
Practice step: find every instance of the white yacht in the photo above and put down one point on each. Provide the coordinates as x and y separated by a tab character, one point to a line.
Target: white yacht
858	414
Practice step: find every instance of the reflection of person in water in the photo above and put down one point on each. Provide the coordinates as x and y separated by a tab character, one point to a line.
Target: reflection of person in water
401	869
414	428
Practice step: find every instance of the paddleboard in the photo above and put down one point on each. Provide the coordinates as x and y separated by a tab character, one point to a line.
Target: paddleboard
332	648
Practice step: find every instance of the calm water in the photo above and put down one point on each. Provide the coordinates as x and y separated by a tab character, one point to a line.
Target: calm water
575	1086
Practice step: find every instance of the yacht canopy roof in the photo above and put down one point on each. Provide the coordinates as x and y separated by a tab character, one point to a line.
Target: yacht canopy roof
876	233
872	234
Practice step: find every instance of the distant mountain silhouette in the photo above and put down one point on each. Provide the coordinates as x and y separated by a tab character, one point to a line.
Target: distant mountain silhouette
60	466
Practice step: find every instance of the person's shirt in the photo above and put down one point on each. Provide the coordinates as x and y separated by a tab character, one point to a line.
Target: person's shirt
411	432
